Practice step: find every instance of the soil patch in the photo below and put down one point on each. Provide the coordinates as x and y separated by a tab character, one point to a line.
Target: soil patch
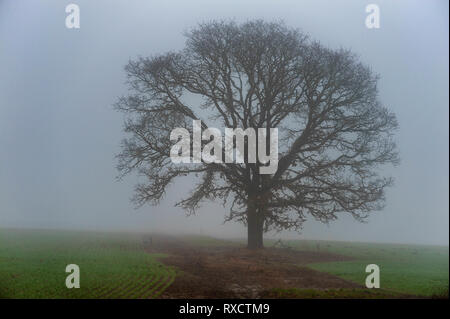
236	272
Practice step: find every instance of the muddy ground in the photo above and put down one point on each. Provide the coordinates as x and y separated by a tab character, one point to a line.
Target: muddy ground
235	272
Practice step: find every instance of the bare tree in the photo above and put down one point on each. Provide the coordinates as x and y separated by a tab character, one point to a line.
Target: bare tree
334	132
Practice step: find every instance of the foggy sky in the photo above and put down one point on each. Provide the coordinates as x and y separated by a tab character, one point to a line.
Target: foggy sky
59	133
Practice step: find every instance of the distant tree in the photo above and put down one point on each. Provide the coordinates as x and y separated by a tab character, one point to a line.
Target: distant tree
334	134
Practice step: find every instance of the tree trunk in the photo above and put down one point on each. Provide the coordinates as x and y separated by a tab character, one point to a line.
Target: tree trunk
255	225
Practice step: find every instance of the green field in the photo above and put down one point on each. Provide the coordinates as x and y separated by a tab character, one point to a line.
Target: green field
32	265
409	269
115	265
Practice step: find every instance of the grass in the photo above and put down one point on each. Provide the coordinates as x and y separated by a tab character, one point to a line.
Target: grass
114	265
410	269
32	265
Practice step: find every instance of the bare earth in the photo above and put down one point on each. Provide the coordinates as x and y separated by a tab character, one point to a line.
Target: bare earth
234	272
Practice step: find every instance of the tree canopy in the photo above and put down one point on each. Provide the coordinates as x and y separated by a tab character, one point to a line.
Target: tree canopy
334	133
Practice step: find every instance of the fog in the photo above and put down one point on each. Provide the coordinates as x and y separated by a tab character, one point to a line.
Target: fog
59	133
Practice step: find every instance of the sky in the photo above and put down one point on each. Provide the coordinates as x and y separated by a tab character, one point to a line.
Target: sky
59	133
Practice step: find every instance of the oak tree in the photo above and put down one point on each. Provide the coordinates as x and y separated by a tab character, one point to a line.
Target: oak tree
334	133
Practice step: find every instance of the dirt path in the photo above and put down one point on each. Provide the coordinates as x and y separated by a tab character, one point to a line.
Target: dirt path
234	272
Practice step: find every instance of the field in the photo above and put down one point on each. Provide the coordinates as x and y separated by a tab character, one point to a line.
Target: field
124	265
32	265
410	269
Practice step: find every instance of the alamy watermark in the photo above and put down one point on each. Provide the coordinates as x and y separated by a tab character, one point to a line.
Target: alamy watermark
72	21
262	146
373	18
73	17
73	279
373	279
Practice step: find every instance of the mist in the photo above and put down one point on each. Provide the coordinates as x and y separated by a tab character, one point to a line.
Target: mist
59	133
